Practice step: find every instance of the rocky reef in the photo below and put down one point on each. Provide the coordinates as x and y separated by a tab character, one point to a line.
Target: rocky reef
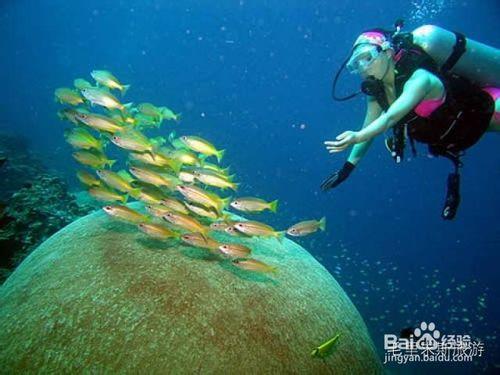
34	203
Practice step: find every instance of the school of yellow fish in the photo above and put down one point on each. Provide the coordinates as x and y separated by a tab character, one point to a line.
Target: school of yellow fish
171	176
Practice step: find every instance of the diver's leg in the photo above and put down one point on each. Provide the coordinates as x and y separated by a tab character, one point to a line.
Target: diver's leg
495	119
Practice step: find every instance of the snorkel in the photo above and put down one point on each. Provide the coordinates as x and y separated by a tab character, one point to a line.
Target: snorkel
371	86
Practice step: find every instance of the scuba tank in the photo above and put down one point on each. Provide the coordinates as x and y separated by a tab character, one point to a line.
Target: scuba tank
452	52
467	58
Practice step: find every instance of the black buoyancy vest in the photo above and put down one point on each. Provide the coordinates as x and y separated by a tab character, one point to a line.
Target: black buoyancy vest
459	122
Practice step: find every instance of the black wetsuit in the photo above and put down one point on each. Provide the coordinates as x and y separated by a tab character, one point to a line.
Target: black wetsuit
449	130
455	125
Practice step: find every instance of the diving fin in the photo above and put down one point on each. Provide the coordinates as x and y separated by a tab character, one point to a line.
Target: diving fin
452	197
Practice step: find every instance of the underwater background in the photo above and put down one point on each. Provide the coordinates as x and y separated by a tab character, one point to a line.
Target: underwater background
255	78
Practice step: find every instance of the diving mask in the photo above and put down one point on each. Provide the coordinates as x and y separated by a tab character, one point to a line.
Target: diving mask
362	57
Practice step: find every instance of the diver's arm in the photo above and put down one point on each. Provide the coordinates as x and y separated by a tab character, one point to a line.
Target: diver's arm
414	91
373	111
358	151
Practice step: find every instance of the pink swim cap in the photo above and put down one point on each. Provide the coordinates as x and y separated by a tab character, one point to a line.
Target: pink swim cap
373	37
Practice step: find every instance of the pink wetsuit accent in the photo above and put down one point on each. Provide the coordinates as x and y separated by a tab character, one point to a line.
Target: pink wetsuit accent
426	107
495	94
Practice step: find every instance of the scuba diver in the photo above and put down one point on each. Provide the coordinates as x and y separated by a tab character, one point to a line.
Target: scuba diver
430	85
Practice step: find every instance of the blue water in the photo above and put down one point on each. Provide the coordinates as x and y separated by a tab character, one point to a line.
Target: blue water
254	77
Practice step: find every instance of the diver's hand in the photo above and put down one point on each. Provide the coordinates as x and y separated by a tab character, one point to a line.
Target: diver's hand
343	141
337	177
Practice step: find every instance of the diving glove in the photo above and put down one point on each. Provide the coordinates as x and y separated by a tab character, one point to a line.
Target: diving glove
452	197
337	177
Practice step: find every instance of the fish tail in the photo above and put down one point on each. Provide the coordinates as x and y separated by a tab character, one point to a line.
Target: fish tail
171	136
204	233
322	223
162	111
225	217
104	139
151	153
273	269
101	143
134	193
234	186
315	352
219	154
124	89
177	116
131	120
160	120
175	165
124	198
225	202
176	235
158	141
123	116
280	235
273	206
110	162
127	107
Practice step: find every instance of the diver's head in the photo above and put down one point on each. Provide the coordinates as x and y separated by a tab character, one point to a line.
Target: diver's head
372	55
